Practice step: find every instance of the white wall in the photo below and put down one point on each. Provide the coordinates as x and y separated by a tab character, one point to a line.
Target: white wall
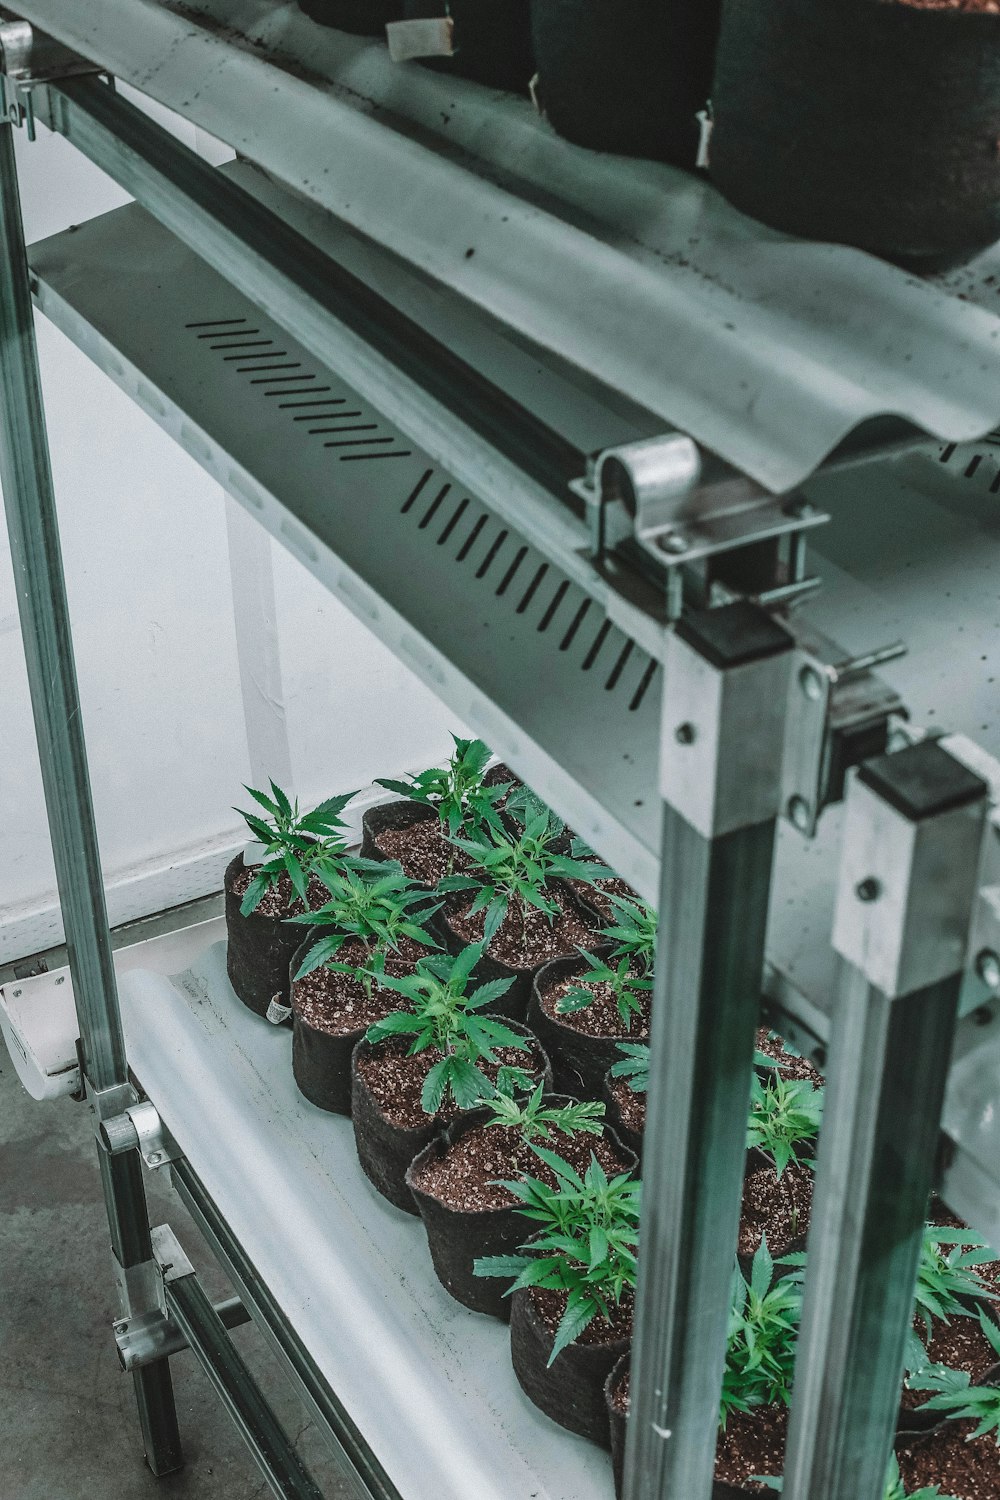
145	552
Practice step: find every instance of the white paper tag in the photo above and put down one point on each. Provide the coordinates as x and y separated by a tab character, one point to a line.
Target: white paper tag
424	38
253	854
704	118
276	1012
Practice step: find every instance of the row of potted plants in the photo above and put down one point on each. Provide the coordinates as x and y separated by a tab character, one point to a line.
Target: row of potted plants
870	122
408	971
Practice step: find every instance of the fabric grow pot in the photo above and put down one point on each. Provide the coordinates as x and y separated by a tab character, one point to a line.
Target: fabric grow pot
579	1061
571	1390
386	1148
259	949
617	1417
457	1236
624	1124
411	831
491	40
628	76
362	17
870	122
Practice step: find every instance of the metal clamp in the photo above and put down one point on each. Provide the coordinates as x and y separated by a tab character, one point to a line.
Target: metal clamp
139	1128
681	505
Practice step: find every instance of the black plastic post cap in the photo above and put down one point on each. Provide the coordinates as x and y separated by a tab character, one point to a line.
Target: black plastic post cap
733	634
922	781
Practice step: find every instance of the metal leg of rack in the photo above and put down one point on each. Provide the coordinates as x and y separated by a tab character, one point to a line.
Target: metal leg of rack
726	682
908	876
26	477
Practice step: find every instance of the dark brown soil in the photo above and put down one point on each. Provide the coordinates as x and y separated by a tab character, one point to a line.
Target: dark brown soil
422	849
776	1206
596	895
960	1344
465	1178
551	1305
337	1004
791	1066
280	900
529	945
964	1470
395	1080
631	1106
753	1443
620	1396
602	1017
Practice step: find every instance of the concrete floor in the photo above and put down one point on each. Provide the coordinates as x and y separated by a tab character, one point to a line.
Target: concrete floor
68	1428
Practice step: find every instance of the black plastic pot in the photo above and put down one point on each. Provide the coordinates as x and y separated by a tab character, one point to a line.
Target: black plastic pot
579	1061
571	1390
628	76
362	17
491	38
457	1236
321	1061
259	950
870	122
628	1137
516	1000
385	1150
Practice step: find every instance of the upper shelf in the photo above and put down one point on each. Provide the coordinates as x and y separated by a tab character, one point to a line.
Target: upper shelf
767	350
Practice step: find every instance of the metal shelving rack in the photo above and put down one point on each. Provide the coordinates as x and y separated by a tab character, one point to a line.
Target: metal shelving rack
581	393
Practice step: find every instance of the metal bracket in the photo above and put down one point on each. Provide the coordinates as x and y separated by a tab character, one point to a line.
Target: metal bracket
839	714
108	1103
144	1338
28	57
169	1254
139	1128
680	505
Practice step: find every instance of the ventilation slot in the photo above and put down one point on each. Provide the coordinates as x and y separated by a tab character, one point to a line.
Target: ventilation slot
311	416
487	562
508	577
549	614
973	466
532	588
575	624
594	652
218	323
415	492
428	515
332	416
619	667
236	359
460	512
357	458
947	453
305	390
470	540
643	687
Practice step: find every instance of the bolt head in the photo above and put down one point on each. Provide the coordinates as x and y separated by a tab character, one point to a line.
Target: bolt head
811	684
988	968
674	542
15	993
154	1158
799	813
685	734
868	890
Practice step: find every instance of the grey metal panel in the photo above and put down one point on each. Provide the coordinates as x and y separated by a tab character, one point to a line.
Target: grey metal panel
429	1383
768	350
505	636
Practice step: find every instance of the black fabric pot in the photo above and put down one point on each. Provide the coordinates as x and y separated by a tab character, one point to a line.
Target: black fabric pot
862	121
259	950
491	40
362	17
457	1236
571	1391
617	1421
626	75
398	814
321	1062
579	1061
628	1137
385	1150
515	1001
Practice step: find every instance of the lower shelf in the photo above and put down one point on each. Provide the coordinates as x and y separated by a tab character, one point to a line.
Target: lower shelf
429	1383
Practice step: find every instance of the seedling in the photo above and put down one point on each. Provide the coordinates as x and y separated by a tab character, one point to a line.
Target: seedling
784	1113
633	1065
585	1248
295	844
444	1016
763	1328
957	1397
371	901
523	804
945	1276
515	872
628	970
894	1488
456	790
536	1121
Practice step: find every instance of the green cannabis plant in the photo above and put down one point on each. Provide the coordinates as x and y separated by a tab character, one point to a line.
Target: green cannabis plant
294	844
628	969
586	1246
956	1396
763	1329
785	1113
371	901
534	1120
456	791
445	1016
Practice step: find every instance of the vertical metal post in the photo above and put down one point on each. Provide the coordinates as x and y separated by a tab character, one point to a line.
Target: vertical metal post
726	684
26	478
912	837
